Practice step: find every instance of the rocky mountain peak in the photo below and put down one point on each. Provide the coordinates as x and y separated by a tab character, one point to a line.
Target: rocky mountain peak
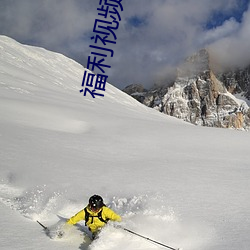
196	64
202	97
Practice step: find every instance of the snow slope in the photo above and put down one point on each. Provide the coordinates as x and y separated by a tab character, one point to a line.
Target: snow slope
176	183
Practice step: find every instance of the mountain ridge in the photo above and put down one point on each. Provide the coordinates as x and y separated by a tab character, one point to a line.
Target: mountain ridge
200	95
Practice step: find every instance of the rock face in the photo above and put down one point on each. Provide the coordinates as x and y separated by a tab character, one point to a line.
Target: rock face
136	90
237	81
201	97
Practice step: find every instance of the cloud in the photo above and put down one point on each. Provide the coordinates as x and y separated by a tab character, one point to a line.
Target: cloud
228	28
233	49
53	24
153	36
173	30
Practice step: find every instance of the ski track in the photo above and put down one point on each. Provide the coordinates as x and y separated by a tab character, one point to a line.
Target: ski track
145	214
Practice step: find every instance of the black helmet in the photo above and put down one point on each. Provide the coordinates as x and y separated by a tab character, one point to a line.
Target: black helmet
96	202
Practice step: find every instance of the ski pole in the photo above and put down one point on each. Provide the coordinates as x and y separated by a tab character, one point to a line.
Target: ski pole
146	238
45	228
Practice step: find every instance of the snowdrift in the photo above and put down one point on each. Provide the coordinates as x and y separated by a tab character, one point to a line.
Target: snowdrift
182	185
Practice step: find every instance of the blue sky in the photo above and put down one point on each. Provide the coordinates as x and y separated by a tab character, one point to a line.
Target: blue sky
154	36
218	17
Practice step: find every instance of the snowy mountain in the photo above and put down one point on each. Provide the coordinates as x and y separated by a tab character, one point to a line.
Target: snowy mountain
182	185
201	96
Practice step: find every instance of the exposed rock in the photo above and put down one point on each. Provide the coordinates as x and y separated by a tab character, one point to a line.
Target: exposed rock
137	91
201	97
237	81
133	88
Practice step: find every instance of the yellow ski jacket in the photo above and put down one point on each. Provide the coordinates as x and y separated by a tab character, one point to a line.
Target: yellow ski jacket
94	223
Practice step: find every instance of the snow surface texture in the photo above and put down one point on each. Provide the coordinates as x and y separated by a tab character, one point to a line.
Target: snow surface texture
179	184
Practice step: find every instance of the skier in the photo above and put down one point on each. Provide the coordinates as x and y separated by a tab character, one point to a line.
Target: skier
95	214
